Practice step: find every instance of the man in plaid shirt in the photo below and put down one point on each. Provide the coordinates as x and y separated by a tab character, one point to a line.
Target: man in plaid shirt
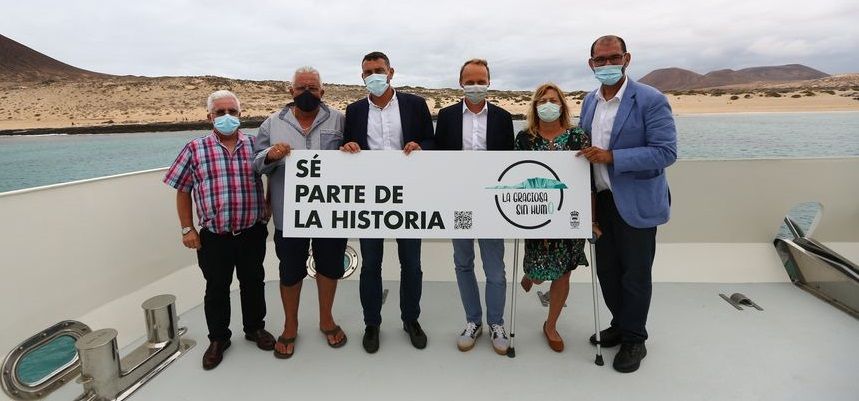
232	215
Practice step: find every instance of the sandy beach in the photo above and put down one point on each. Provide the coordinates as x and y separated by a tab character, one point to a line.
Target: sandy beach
138	100
705	104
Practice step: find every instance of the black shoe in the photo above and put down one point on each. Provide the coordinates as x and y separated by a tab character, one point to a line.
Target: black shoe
371	339
628	359
416	334
263	339
609	337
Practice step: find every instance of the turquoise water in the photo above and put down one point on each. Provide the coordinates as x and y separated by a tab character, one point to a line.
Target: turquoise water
768	135
45	360
34	161
30	161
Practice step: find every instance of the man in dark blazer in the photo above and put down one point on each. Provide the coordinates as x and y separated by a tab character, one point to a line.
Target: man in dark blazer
634	140
475	124
388	120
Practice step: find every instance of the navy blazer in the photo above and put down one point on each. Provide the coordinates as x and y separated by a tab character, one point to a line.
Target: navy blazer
499	128
643	142
415	119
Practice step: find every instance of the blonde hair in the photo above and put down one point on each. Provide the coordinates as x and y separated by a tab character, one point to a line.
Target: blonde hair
534	120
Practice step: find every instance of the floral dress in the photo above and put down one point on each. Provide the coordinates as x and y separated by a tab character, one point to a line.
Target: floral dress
549	259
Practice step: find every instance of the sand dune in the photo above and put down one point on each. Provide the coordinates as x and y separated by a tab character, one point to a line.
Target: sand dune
37	91
138	100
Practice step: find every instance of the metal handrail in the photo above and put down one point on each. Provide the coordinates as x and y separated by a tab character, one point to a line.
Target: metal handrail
794	228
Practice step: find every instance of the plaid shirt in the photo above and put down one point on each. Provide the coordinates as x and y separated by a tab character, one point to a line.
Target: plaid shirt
227	191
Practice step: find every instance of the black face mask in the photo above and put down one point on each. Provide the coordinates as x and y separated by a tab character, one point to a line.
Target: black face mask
306	101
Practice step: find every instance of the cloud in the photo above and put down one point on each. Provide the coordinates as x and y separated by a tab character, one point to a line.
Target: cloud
770	46
526	42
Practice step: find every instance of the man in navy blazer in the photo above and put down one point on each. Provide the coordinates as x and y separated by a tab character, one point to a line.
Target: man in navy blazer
475	124
633	140
498	133
388	120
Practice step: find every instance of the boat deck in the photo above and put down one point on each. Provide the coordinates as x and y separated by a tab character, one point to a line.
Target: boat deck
701	348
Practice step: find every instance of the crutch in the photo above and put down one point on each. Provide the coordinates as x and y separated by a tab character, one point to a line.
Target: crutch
595	288
511	351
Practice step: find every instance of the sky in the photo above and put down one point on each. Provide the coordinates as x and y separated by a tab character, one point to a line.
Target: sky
526	42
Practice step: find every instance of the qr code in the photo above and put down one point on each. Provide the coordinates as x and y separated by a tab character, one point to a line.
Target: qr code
462	220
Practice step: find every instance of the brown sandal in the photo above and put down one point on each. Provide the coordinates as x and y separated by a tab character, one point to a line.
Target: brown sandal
334	332
285	341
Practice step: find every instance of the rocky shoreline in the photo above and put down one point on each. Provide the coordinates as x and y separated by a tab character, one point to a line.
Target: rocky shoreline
126	128
251	122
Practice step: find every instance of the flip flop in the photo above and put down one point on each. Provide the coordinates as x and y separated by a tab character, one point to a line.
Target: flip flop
285	341
334	332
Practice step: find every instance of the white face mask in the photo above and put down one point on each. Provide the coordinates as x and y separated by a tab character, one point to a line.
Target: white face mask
475	93
548	112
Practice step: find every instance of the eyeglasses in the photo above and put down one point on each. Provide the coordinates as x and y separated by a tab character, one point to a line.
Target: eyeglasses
221	112
614	59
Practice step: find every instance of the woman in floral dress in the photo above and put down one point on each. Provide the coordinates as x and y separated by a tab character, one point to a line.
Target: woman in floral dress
550	128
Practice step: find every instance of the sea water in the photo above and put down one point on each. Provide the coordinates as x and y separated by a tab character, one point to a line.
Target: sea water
31	161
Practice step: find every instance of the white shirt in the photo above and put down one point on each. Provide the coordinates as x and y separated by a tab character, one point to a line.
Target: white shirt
384	130
604	115
474	127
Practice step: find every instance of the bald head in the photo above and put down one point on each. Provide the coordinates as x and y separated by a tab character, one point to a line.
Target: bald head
608	40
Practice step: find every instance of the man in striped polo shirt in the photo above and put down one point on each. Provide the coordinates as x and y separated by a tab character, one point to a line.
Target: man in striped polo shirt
232	215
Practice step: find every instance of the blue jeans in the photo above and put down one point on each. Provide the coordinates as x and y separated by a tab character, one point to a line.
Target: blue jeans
492	255
411	279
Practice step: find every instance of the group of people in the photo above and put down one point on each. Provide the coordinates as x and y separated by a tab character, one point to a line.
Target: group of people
626	131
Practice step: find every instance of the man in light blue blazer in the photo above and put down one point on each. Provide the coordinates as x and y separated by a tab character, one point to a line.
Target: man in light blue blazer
633	140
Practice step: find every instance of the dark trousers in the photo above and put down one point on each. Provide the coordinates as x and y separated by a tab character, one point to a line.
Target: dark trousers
624	262
218	256
411	278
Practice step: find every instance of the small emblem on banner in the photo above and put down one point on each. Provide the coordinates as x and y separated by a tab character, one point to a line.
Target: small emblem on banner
574	219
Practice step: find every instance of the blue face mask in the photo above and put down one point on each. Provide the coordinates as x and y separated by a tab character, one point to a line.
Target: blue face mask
609	74
376	84
226	124
548	112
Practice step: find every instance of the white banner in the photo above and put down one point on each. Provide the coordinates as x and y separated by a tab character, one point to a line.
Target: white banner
437	194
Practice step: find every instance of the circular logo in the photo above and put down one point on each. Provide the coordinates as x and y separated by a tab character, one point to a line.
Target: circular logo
529	194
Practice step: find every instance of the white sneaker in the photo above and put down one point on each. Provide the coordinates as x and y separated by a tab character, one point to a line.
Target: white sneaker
469	336
500	342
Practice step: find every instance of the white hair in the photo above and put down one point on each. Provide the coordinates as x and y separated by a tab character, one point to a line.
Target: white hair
221	94
307	70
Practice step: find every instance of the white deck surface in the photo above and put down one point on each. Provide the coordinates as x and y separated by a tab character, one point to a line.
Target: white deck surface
701	348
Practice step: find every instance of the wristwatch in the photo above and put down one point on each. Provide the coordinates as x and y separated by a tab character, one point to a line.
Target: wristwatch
186	230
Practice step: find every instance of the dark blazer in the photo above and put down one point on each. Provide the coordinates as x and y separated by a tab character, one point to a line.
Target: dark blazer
499	128
415	119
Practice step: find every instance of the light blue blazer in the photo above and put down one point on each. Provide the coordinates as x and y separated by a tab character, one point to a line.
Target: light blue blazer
643	143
